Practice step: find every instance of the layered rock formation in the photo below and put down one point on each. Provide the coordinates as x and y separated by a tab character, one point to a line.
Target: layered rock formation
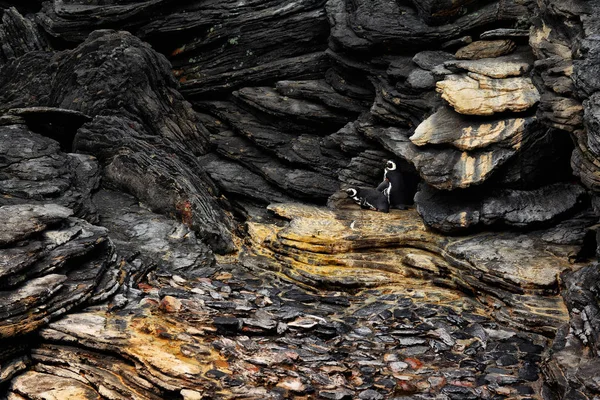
140	138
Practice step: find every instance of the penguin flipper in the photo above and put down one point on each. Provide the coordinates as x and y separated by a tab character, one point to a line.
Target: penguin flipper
383	185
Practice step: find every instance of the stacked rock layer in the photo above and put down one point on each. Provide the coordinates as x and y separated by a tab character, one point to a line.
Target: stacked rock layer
164	171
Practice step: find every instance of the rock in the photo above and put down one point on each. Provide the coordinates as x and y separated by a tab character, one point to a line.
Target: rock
152	239
421	79
448	127
363	25
441	168
475	94
370	394
113	187
292	384
517	64
170	304
19	35
135	162
271	102
190	394
485	49
520	208
36	171
41	384
509	273
505	33
236	180
428	60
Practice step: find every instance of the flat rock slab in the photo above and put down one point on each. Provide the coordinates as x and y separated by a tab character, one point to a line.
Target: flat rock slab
449	127
486	49
457	212
476	94
501	67
25	220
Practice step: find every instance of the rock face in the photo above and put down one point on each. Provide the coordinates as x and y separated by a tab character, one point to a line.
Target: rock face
164	171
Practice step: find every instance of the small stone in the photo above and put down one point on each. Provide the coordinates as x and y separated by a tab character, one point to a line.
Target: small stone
436	382
338	394
398	366
370	394
228	323
215	373
421	79
506	360
413	363
529	372
303	322
363	331
170	304
188	394
293	384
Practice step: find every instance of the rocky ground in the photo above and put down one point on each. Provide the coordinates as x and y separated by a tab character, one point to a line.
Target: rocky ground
173	218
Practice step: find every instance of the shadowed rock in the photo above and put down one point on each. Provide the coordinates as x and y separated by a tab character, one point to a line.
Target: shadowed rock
449	212
485	49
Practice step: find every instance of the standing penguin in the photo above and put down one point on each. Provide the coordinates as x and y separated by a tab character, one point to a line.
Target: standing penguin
394	187
369	198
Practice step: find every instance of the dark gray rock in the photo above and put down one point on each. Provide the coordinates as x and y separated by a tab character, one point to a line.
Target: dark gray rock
450	212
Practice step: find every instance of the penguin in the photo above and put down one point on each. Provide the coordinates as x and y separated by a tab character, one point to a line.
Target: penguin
369	198
394	187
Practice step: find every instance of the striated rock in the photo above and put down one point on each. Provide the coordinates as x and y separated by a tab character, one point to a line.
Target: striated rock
142	103
236	180
41	275
213	47
444	169
486	49
296	100
19	35
152	239
501	67
35	171
475	94
428	60
449	212
448	127
573	366
396	25
344	248
271	102
298	182
505	33
321	91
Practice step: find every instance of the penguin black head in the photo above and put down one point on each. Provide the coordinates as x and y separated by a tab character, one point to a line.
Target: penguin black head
390	166
351	192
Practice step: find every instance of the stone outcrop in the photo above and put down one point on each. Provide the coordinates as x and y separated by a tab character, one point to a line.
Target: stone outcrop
476	94
320	247
144	144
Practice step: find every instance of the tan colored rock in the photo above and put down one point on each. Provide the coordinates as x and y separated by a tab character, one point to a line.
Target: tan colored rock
188	394
475	94
485	49
449	127
36	385
355	248
501	67
170	304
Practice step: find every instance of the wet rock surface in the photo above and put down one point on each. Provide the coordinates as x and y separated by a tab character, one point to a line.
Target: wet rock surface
153	155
